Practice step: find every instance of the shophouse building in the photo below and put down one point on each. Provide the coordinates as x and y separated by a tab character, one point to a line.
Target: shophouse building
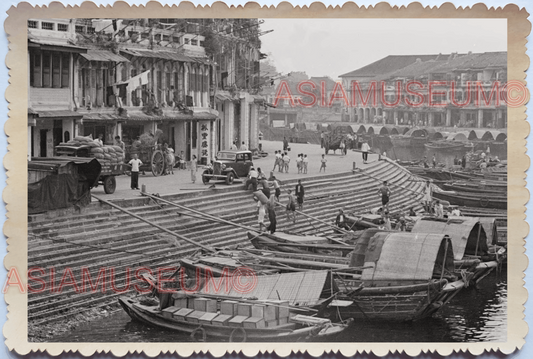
134	76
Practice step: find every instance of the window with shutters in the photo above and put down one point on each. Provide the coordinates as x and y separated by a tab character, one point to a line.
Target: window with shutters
36	79
56	70
65	70
62	27
47	81
47	25
32	24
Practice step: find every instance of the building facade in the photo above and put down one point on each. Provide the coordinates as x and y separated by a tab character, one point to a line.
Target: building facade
392	101
134	76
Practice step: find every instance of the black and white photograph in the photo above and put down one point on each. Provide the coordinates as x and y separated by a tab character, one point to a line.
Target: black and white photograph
272	180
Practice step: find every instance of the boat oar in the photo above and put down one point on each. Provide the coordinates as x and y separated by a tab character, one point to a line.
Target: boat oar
210	249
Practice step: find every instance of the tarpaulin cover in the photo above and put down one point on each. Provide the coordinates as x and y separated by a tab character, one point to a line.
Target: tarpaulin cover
61	188
57	191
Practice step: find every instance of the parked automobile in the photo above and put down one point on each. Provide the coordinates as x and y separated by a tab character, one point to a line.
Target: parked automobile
229	166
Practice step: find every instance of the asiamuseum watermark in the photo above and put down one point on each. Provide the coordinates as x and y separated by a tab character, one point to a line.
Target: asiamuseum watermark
142	279
405	93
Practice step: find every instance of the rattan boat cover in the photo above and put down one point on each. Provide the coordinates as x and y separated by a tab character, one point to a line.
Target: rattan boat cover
301	288
406	256
457	228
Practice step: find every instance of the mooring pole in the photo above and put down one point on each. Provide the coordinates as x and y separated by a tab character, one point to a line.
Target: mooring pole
211	249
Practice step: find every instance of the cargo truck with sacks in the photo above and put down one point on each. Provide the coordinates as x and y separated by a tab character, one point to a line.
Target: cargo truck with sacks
111	158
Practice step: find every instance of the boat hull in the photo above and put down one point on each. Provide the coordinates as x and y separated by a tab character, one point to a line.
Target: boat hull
287	332
406	303
472	200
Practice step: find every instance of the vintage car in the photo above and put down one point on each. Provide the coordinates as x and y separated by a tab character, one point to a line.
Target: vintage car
228	166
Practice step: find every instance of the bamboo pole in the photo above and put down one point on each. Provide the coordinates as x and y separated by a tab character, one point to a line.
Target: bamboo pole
205	215
211	249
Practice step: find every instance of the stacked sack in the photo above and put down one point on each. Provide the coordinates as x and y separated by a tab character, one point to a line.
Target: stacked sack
112	154
81	141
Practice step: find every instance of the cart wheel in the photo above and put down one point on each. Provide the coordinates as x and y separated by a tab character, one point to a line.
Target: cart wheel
205	179
110	184
158	163
230	178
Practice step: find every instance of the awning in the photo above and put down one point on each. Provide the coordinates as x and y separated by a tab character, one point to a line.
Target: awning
60	113
223	96
158	54
100	117
55	44
259	99
102	55
200	116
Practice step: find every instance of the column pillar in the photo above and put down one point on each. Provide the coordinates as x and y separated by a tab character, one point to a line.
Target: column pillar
479	118
30	129
448	117
365	115
229	113
431	119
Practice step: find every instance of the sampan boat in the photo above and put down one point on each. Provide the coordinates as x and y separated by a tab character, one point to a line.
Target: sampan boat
473	199
473	248
205	325
372	284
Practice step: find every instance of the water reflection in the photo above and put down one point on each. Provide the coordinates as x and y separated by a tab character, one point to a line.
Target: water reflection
475	314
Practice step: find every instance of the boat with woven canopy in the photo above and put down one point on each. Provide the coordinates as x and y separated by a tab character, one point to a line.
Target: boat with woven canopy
475	254
372	283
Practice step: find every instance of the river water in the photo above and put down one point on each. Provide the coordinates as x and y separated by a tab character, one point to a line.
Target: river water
475	314
443	156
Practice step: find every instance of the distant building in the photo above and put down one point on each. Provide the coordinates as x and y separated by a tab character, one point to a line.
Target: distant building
485	68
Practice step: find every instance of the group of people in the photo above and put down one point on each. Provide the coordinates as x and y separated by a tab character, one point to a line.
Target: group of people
281	161
435	206
295	200
242	147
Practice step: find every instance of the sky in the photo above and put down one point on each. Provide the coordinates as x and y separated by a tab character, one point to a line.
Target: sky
332	47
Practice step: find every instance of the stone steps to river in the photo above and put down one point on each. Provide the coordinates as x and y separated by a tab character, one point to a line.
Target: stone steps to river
100	236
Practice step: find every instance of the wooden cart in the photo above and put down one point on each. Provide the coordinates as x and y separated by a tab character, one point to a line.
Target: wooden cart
153	158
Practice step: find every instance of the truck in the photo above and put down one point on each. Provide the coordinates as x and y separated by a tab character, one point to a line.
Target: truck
110	169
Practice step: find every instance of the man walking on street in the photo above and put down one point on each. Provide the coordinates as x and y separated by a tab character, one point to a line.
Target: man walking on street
385	193
323	164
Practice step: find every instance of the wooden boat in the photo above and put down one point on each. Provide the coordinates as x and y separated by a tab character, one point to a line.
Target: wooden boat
475	186
472	199
401	140
474	250
373	284
213	325
444	146
290	243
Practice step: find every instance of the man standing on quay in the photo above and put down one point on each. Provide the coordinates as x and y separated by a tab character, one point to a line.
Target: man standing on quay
135	163
300	191
385	193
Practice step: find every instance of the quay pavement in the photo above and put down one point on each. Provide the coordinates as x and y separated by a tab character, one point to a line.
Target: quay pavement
180	181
